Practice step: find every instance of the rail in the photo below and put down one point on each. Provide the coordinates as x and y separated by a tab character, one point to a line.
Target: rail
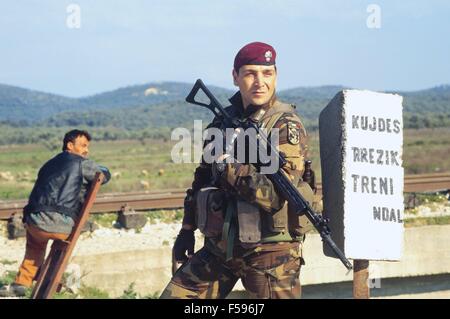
173	198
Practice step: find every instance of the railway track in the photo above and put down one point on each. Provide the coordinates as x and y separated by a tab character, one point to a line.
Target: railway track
173	198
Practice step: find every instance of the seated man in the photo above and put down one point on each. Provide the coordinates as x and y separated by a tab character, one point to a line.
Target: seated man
55	201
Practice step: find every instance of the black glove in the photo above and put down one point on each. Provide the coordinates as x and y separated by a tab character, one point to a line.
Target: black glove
185	242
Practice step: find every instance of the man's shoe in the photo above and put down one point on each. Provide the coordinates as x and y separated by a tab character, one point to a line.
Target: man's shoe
13	290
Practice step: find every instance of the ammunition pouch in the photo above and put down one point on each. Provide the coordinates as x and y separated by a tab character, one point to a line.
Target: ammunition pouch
299	225
209	215
276	222
249	220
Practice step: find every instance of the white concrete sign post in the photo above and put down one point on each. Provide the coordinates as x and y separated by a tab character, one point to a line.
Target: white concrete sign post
361	140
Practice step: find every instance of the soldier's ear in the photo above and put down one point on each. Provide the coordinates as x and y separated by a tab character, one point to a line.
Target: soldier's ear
235	76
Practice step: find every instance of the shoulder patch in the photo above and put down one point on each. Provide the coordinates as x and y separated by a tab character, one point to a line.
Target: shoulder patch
293	133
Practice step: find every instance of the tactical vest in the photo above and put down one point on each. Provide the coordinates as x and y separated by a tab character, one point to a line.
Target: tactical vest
58	186
254	225
285	224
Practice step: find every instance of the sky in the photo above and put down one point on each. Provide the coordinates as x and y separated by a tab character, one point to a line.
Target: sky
84	47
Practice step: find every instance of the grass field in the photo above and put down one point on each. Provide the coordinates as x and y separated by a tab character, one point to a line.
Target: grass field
147	165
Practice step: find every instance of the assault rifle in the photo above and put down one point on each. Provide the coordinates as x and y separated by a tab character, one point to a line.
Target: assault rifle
280	180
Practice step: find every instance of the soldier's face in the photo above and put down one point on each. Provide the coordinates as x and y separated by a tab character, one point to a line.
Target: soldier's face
79	147
256	82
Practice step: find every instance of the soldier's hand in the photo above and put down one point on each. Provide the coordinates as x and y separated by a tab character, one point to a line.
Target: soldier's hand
184	243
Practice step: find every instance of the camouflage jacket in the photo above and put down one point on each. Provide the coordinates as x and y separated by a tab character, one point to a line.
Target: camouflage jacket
244	179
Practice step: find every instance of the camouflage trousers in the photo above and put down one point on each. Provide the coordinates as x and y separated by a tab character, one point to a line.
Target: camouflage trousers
269	271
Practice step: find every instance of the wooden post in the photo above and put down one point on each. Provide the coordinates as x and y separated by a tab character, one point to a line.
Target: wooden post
361	288
54	266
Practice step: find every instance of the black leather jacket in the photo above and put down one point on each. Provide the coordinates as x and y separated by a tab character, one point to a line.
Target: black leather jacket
58	186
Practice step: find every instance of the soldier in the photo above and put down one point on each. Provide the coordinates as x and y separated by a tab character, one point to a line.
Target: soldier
54	203
250	234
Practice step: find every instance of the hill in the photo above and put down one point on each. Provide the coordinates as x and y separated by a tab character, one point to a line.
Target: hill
161	104
18	105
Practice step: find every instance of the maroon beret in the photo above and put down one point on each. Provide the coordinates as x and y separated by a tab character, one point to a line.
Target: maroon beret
255	53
